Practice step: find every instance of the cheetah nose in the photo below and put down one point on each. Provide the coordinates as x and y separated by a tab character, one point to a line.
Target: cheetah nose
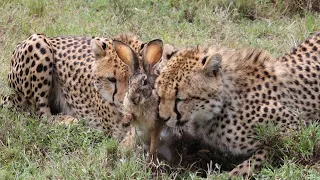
181	123
162	118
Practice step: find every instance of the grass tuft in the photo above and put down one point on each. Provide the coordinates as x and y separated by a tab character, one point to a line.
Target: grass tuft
300	146
257	9
37	8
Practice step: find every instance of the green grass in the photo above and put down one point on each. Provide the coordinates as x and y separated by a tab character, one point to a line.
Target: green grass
37	150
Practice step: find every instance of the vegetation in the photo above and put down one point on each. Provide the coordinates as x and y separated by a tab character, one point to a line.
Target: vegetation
30	149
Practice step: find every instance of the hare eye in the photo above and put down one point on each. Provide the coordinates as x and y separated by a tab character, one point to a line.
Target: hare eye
179	100
145	82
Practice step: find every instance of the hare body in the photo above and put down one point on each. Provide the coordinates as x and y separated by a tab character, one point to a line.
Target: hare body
140	102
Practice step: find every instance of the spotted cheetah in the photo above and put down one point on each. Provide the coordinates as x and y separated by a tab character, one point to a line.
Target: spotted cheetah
221	95
77	77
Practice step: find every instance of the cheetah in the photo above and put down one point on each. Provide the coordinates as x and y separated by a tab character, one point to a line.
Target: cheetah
221	95
76	77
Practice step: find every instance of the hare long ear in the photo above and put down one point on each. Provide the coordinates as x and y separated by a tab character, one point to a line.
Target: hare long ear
211	65
98	48
152	54
127	55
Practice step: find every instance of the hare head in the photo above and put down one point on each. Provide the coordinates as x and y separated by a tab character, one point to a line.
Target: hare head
143	77
140	103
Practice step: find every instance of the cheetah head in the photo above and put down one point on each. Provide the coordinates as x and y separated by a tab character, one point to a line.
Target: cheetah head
111	74
189	87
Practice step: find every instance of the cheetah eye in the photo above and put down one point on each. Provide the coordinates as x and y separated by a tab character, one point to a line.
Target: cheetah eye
112	79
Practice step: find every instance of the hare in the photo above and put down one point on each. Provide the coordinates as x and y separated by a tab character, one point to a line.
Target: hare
140	103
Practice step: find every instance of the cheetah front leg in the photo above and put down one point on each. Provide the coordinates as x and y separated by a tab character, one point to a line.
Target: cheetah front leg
17	102
21	104
250	165
6	101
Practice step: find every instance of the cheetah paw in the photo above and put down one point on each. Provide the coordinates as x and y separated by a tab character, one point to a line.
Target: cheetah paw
245	170
5	102
65	119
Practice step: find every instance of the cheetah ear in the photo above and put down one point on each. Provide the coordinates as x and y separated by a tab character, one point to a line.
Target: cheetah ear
127	55
152	54
98	48
211	65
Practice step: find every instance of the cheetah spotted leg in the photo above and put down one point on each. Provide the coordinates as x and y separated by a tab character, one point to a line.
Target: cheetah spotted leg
42	107
5	101
44	111
21	104
250	165
17	102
